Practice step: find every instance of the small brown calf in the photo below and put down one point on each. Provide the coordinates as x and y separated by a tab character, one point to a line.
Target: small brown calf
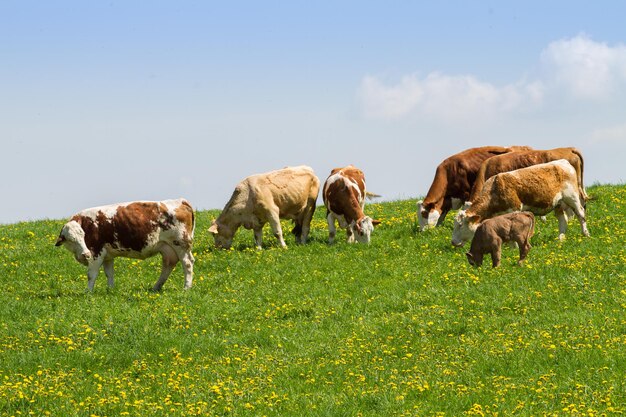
516	227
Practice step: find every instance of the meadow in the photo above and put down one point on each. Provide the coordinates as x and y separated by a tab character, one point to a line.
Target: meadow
402	327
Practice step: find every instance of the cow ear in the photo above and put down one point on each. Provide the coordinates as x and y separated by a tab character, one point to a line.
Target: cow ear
213	228
375	222
60	240
470	258
474	219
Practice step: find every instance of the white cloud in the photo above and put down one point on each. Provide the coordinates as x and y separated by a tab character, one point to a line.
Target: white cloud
390	102
578	67
444	97
586	69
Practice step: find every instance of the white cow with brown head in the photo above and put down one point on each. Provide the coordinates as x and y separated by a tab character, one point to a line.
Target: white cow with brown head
539	188
344	197
288	193
139	230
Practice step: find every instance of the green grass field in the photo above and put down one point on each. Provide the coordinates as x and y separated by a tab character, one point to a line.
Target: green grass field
402	327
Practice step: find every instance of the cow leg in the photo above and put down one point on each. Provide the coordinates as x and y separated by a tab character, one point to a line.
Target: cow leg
92	273
350	234
169	261
306	221
496	254
579	211
187	260
569	212
524	248
274	221
258	237
108	270
560	214
332	230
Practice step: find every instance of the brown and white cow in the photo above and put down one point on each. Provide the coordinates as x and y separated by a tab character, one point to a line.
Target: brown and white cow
140	229
453	183
288	193
513	228
539	188
344	197
522	159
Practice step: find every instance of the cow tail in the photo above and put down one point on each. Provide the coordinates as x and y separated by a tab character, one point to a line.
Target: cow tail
193	223
583	194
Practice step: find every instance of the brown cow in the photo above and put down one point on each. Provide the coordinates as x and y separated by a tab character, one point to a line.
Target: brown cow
522	159
344	197
538	188
453	183
517	227
288	193
138	230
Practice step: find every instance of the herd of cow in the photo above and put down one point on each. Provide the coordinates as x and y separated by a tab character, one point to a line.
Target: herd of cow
489	181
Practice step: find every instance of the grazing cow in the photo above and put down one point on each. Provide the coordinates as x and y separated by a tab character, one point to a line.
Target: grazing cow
538	188
453	183
344	197
140	229
522	159
288	193
517	227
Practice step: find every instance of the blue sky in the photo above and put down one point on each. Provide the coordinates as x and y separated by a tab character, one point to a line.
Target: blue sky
104	102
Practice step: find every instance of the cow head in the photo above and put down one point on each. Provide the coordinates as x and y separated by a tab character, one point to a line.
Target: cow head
427	215
72	236
363	228
222	234
464	227
474	260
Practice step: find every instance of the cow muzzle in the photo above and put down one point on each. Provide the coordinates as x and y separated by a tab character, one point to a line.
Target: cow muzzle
84	258
457	243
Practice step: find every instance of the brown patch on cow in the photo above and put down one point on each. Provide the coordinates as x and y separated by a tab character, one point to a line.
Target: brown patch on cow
134	222
185	215
97	233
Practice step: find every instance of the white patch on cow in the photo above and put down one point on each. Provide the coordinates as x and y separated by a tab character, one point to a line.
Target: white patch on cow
463	230
367	227
426	220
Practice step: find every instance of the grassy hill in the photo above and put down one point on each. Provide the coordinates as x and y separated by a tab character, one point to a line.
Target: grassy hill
402	327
